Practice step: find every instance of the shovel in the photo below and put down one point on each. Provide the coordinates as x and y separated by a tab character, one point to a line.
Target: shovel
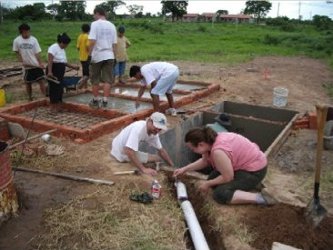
315	212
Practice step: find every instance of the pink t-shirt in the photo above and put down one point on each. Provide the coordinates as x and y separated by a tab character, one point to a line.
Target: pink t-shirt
244	154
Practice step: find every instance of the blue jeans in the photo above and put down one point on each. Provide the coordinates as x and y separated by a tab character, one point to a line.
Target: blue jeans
119	68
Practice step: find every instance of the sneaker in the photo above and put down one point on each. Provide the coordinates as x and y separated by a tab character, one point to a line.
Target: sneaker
104	104
80	84
270	200
94	104
171	111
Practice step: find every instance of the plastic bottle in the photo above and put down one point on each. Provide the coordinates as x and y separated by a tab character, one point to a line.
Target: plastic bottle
155	189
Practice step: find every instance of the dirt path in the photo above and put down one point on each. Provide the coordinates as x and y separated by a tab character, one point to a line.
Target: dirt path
303	77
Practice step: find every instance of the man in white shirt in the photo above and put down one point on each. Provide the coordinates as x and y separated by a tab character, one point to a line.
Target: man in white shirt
125	146
28	52
102	40
162	77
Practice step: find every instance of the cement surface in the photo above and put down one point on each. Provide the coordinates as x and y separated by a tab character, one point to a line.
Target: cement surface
123	105
127	91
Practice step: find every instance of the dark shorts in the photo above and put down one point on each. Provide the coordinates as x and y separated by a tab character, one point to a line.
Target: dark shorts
243	180
33	75
85	68
102	72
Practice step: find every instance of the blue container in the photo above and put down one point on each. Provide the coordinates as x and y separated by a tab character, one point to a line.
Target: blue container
70	82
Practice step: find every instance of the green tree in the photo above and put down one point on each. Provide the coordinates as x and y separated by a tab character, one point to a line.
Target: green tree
258	8
222	12
72	10
322	22
176	8
135	10
32	12
110	7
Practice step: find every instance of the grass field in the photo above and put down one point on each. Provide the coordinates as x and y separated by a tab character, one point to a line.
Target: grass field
203	42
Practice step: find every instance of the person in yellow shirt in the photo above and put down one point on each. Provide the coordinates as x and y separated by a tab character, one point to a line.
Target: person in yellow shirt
82	45
121	54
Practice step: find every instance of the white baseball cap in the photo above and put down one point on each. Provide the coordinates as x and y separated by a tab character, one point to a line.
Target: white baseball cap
159	120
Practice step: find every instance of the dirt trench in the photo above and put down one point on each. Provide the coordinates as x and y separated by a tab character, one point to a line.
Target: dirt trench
282	223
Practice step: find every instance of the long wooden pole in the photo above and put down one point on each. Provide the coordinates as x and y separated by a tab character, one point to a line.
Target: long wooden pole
65	176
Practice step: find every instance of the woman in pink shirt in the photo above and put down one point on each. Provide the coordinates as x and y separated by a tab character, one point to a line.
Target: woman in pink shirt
239	166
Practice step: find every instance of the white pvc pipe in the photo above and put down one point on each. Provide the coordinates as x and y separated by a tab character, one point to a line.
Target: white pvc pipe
181	191
198	238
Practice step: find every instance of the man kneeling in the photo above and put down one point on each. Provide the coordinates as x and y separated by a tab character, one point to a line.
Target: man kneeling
125	146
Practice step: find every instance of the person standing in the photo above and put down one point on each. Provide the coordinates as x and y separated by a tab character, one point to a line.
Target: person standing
57	63
121	54
28	52
125	146
103	40
239	166
162	77
82	45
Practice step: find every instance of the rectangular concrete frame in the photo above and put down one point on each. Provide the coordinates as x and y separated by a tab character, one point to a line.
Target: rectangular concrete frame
116	118
266	126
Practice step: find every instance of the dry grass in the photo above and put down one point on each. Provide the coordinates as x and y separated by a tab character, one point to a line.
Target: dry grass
107	219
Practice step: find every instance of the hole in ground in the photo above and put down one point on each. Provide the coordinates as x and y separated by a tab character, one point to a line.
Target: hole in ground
212	236
281	223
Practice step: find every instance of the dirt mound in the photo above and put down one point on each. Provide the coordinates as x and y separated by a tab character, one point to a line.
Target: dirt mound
286	224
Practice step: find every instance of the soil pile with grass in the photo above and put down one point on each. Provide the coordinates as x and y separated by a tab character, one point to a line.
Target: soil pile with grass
287	224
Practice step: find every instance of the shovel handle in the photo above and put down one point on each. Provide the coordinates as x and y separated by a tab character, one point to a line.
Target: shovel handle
321	119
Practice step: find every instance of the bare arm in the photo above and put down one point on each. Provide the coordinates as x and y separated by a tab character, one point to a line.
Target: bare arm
91	46
141	91
114	48
132	156
72	66
19	57
49	64
165	156
39	60
223	165
199	164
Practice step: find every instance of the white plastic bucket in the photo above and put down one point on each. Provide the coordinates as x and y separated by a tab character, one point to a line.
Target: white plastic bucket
280	96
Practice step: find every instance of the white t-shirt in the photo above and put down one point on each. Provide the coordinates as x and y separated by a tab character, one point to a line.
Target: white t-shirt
105	35
130	137
28	48
59	54
155	70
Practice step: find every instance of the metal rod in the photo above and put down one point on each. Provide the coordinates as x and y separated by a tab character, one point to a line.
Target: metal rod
31	138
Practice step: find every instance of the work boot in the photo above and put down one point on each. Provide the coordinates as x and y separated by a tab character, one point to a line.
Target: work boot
269	199
94	104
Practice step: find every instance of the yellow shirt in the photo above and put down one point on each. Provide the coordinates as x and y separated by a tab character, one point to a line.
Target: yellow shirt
121	53
83	45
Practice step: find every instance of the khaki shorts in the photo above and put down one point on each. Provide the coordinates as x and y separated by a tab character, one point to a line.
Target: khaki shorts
102	72
142	156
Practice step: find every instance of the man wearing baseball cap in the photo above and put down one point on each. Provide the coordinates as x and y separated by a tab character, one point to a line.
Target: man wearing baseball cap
125	146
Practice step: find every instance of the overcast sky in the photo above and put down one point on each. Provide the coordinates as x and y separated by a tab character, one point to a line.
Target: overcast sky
291	9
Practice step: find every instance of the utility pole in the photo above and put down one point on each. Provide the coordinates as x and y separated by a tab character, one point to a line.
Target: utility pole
299	10
278	10
1	15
